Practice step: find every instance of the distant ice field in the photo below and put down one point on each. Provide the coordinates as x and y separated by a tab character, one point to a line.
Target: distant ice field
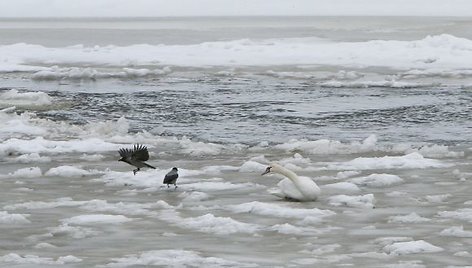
376	111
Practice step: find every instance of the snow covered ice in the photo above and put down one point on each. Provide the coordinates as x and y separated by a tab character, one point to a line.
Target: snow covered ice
378	116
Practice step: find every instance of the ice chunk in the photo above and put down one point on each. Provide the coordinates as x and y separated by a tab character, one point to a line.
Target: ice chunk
7	218
410	218
377	180
14	258
411	247
67	171
174	258
31	172
358	201
456	231
409	161
93	219
275	210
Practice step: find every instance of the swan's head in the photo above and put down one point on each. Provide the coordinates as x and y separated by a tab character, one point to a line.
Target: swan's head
267	171
272	168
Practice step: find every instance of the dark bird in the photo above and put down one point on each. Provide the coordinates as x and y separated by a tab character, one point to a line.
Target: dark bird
171	177
135	157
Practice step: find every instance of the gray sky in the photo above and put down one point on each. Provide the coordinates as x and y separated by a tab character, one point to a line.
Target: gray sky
151	8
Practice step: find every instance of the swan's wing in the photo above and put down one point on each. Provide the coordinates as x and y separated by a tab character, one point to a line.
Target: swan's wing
308	183
289	190
277	192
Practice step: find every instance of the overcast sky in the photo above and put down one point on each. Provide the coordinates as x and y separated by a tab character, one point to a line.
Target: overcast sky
159	8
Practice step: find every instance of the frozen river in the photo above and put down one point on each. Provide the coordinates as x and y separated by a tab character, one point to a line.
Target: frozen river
376	111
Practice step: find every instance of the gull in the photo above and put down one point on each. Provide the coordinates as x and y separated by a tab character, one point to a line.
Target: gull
171	177
293	187
135	157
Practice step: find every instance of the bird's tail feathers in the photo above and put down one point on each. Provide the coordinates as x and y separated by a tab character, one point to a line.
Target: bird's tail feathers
149	166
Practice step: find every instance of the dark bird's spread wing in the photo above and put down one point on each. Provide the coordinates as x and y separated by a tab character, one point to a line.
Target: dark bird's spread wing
125	153
140	153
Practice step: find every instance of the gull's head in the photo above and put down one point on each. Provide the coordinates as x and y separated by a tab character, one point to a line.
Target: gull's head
122	159
174	169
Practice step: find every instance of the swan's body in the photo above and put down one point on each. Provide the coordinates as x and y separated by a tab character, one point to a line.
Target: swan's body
293	187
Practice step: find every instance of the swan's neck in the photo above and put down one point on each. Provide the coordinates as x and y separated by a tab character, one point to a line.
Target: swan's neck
289	174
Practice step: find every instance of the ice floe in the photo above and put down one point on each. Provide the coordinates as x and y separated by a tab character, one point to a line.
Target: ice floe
410	218
95	205
44	245
31	158
274	210
190	197
174	258
60	202
208	223
76	232
324	146
94	219
377	180
322	249
340	187
290	229
126	208
464	214
411	247
219	186
14	258
456	231
252	166
16	98
438	198
41	145
443	51
31	172
78	73
357	201
67	171
409	161
12	218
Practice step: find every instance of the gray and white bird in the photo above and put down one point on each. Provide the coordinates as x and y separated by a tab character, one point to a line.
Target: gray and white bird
135	157
171	177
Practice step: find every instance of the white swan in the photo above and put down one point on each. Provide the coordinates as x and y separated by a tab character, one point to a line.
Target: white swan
293	187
